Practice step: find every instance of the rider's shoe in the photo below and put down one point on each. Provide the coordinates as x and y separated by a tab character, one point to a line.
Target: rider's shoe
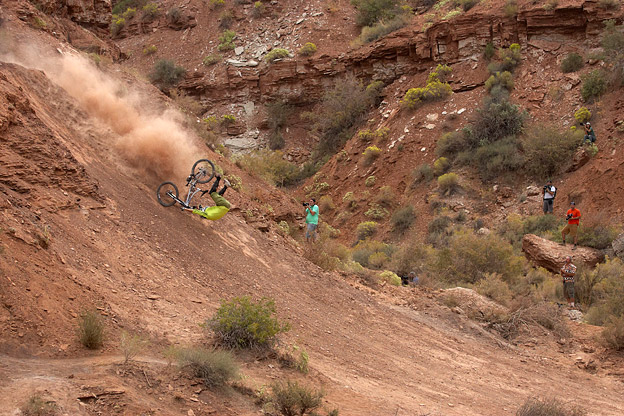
227	183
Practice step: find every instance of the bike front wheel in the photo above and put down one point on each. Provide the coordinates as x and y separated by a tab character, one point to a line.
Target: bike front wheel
166	193
203	170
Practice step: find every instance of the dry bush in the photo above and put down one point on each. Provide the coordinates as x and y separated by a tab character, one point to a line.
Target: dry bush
403	218
572	63
594	85
91	329
293	399
385	197
132	345
493	287
166	74
547	149
607	291
215	368
423	173
549	407
370	155
613	333
390	277
448	183
318	255
525	314
365	229
37	406
326	203
364	249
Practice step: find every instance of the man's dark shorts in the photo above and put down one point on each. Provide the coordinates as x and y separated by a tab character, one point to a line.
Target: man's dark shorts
568	290
548	205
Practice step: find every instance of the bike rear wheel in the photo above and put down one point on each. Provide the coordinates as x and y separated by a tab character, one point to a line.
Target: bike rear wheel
165	194
203	170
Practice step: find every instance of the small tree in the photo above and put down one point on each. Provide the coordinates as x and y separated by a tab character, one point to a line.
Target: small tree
166	74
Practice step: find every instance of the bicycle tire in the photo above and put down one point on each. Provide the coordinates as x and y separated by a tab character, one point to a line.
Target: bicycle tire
164	199
204	166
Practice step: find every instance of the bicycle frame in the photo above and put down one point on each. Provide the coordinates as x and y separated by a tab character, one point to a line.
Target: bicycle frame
191	182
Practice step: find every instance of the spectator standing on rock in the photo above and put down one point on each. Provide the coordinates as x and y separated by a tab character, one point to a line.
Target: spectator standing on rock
549	191
312	217
568	270
590	136
573	216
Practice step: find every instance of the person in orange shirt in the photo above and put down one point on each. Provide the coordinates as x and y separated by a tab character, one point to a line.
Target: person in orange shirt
574	217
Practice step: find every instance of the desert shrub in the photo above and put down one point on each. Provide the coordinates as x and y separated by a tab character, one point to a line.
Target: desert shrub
489	51
217	3
293	399
215	368
364	249
129	13
275	54
379	135
571	63
378	260
441	166
452	14
439	224
150	50
370	181
117	24
495	159
91	329
582	115
504	80
270	166
597	235
613	333
319	255
385	196
382	28
452	143
166	74
37	406
510	57
412	256
390	277
433	91
469	258
341	110
549	407
174	15
121	6
243	323
308	49
370	154
606	293
423	173
226	40
510	8
326	203
496	119
376	212
278	113
258	9
466	4
365	229
448	183
594	85
403	218
131	345
370	12
613	44
547	150
494	288
149	11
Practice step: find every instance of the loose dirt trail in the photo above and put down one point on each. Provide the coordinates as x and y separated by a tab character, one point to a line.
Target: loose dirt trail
162	272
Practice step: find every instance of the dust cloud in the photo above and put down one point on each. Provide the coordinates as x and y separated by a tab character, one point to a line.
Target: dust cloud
155	142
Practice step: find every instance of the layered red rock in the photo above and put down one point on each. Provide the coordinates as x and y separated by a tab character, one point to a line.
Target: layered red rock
551	255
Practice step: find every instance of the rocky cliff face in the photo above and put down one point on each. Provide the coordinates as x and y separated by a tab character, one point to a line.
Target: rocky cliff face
407	51
89	13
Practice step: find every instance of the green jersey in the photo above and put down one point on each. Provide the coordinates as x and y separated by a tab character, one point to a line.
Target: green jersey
310	218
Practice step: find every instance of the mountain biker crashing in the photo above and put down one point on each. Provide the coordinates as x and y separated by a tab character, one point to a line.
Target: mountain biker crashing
222	206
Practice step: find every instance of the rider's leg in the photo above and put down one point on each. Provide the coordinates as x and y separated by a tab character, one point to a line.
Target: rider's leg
215	186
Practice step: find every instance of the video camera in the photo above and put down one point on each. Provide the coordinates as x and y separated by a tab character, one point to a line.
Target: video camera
568	216
305	204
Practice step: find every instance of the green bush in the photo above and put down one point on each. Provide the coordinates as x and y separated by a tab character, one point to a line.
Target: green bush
453	143
215	368
258	9
496	119
91	329
270	166
594	85
494	288
37	406
613	333
571	63
423	173
379	135
117	24
226	18
308	49
495	159
166	74
489	51
129	13
123	5
370	181
547	150
149	12
448	183
275	54
549	407
510	57
469	258
613	44
390	277
370	12
364	249
150	50
441	166
504	80
365	229
433	91
293	399
226	40
403	218
605	292
582	115
510	8
243	323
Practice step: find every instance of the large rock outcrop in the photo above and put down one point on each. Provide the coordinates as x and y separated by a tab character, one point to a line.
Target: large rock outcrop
551	255
88	13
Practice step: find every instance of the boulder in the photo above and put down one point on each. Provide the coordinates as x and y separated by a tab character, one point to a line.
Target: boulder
551	255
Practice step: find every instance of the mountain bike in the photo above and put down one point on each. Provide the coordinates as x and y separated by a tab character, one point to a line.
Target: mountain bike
202	172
